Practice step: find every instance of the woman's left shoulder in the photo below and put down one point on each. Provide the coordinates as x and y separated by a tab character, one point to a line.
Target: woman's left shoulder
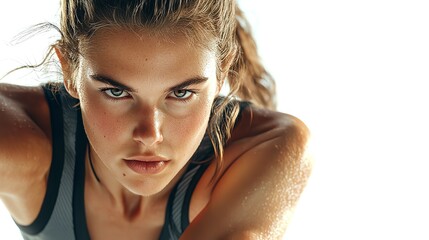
274	144
265	169
260	125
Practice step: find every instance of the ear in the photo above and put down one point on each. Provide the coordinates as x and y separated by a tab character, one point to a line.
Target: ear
65	67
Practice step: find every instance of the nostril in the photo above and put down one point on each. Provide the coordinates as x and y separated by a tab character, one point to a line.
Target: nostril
148	129
148	136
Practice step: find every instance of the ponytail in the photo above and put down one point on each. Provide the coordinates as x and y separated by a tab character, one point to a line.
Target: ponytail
248	80
248	77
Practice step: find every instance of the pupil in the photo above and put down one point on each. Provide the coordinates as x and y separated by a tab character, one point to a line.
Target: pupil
116	92
180	93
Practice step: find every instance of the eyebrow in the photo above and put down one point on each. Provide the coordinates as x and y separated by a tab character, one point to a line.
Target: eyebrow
107	80
191	81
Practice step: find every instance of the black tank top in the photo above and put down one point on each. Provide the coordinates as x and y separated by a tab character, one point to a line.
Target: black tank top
62	215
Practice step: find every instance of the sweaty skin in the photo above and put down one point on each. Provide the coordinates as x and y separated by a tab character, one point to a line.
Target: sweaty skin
153	98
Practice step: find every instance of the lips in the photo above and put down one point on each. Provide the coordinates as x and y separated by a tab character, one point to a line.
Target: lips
146	164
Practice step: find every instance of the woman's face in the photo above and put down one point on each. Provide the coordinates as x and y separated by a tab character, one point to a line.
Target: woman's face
145	105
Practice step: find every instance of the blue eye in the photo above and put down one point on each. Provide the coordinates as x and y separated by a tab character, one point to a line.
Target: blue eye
115	93
182	94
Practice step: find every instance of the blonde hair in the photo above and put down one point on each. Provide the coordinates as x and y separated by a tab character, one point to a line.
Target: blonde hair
200	21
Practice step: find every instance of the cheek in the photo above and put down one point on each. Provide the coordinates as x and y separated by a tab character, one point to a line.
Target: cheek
101	124
187	132
190	125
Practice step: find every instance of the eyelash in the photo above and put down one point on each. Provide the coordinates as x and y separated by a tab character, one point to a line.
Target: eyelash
110	97
187	91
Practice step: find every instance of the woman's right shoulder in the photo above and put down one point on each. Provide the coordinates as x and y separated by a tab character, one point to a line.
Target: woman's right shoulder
25	142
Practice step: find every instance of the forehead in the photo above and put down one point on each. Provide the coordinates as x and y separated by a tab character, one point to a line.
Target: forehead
146	40
140	52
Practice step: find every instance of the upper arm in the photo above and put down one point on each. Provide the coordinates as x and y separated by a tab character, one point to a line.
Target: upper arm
256	196
24	145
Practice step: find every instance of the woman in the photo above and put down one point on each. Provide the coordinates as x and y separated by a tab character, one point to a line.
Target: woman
137	143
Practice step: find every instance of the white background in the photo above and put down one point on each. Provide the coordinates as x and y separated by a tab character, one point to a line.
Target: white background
356	72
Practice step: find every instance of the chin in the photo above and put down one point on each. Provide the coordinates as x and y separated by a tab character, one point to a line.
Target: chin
147	188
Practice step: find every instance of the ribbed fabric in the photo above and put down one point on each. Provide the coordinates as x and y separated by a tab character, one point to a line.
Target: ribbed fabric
177	212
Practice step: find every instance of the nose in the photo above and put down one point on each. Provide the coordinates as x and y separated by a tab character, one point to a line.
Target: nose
148	130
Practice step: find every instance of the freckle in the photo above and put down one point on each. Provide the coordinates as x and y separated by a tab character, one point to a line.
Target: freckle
146	59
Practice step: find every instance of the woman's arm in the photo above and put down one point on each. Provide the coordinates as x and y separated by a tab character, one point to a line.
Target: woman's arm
25	150
256	196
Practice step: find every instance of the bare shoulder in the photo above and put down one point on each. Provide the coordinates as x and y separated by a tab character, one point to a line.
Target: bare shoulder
25	144
275	141
271	131
255	121
267	168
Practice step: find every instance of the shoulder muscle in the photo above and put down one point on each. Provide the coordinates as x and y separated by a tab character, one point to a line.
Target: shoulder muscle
25	142
259	190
